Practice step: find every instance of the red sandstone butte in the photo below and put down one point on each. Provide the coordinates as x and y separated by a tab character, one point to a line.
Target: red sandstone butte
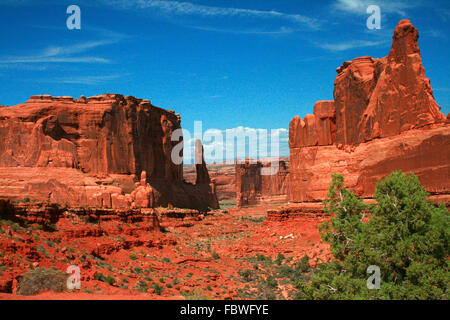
92	151
383	118
255	188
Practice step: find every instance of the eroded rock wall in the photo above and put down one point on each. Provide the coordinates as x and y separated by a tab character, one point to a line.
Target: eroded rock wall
253	187
383	118
92	151
97	135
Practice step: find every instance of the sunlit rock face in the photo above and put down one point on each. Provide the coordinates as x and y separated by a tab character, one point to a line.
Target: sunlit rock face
383	118
91	151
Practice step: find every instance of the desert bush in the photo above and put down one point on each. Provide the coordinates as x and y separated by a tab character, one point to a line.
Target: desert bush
279	259
215	255
142	286
158	289
303	265
271	282
42	280
103	278
246	275
196	294
403	234
133	257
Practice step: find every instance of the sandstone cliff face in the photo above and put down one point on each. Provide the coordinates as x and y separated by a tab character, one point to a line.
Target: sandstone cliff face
318	129
97	135
253	188
91	151
383	118
377	98
422	151
200	165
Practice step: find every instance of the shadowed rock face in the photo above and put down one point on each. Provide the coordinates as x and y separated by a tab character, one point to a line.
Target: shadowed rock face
383	118
200	165
91	151
202	174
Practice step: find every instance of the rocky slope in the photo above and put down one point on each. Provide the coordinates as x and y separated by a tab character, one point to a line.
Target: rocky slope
122	254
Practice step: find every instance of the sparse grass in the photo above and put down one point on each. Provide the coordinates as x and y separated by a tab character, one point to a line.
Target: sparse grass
138	270
103	278
42	250
254	219
280	259
247	275
142	286
227	204
262	282
196	294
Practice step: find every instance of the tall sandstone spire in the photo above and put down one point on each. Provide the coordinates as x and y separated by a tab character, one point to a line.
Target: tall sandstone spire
383	118
377	98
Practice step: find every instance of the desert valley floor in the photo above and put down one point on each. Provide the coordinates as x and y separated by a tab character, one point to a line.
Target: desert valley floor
215	256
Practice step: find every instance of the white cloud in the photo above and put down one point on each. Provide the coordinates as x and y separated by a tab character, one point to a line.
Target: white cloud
282	30
59	54
348	45
41	59
27	67
86	80
181	8
69	53
386	6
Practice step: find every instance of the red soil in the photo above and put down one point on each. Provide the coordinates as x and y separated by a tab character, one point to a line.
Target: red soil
196	257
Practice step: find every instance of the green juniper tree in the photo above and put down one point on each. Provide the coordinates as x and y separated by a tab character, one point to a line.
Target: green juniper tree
404	234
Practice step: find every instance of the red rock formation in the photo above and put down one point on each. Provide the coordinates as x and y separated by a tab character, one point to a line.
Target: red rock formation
424	152
385	119
252	187
223	176
225	182
97	135
318	129
89	151
200	165
202	180
377	98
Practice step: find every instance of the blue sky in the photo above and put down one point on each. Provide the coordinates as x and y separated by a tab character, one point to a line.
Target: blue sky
227	63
